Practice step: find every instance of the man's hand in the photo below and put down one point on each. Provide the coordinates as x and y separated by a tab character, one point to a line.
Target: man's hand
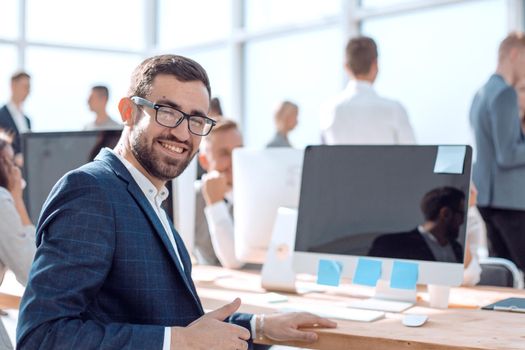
210	332
285	327
15	182
214	187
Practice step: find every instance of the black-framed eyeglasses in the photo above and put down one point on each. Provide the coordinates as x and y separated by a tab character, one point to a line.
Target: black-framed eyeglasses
171	117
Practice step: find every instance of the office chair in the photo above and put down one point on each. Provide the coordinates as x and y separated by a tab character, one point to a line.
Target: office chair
500	272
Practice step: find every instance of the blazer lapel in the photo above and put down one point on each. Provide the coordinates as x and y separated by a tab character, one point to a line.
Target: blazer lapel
135	191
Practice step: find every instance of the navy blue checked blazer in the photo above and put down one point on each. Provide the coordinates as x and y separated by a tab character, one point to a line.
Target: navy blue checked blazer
105	274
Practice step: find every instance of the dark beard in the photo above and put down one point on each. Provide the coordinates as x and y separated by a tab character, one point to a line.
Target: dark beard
160	167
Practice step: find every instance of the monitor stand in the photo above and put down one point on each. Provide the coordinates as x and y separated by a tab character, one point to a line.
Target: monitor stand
387	299
277	272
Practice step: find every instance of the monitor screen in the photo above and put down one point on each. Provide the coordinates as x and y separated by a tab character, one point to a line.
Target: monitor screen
50	155
382	201
263	181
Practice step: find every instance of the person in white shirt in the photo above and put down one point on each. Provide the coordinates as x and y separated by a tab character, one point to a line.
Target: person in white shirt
359	115
97	102
476	236
214	237
12	118
17	233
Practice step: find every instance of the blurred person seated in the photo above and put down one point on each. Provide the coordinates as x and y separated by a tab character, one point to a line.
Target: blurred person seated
97	102
214	230
17	233
12	117
359	115
436	238
285	121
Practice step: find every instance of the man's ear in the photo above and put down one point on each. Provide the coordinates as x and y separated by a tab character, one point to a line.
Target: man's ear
126	109
203	161
445	213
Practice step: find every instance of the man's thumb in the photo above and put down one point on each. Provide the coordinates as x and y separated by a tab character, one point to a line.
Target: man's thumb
225	311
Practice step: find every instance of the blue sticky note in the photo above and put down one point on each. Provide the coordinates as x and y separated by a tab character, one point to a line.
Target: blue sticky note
329	272
404	275
367	272
450	159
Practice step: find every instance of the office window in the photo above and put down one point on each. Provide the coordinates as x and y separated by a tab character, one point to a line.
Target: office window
116	24
184	23
7	68
8	19
62	80
217	63
305	68
262	14
434	60
384	3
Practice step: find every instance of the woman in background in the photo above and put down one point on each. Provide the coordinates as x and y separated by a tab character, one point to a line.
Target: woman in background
17	233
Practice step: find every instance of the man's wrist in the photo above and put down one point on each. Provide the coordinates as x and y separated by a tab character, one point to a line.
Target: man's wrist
177	338
259	326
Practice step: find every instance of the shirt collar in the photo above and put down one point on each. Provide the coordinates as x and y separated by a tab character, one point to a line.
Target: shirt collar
147	187
359	85
14	110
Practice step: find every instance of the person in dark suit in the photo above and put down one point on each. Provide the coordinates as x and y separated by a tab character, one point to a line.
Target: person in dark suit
434	240
111	271
12	118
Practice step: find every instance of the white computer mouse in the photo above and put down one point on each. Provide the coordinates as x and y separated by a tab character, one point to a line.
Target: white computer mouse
412	320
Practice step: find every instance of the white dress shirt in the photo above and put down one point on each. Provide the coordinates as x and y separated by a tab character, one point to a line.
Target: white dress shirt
476	230
18	117
17	241
220	224
359	115
155	198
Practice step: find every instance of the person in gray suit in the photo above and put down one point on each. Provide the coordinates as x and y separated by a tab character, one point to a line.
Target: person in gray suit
285	121
499	172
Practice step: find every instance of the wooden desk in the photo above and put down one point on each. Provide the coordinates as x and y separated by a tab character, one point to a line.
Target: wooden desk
463	326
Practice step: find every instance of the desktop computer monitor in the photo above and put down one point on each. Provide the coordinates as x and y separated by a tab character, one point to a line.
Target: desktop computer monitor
50	155
368	201
263	181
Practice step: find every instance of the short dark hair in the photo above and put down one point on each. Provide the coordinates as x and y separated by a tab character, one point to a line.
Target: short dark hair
19	75
438	198
215	107
183	68
5	140
102	90
361	52
222	125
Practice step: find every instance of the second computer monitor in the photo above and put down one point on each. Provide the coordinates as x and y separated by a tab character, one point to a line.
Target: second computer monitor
263	181
388	203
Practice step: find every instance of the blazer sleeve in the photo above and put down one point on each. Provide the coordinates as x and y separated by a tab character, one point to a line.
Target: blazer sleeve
76	243
506	132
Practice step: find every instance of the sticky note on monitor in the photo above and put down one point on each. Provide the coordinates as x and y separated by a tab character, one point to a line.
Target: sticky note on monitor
450	159
404	275
367	272
329	272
